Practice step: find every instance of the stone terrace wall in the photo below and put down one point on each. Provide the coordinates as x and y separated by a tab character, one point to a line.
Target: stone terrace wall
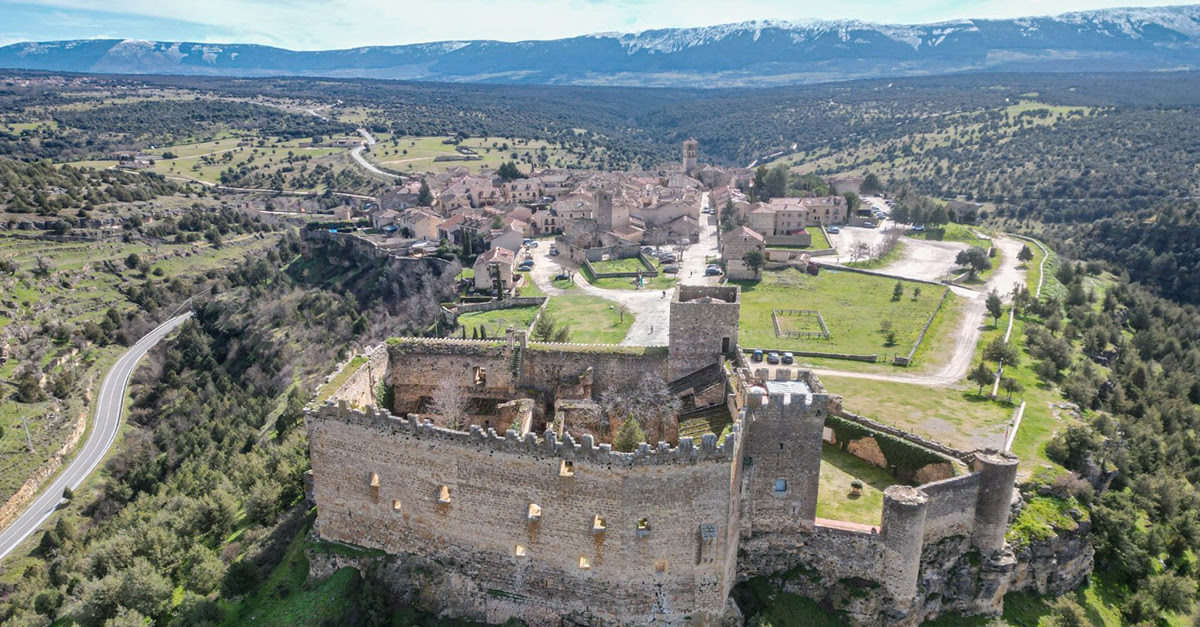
679	567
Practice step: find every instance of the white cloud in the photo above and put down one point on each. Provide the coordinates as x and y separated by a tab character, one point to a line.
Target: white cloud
317	24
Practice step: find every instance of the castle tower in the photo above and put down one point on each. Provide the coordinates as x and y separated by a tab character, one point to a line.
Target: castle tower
610	217
782	460
691	154
704	327
903	534
997	476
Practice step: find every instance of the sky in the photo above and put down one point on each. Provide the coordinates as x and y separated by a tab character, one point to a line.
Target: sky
331	24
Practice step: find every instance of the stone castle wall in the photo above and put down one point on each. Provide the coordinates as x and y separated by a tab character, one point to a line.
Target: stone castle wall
418	366
465	500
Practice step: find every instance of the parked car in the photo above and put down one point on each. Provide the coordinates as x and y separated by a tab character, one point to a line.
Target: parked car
647	250
524	268
670	269
833	230
669	259
757	355
712	271
533	244
527	241
527	262
868	224
553	252
788	358
562	276
772	357
918	227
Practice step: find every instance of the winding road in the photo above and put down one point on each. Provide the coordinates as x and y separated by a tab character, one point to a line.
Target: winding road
105	426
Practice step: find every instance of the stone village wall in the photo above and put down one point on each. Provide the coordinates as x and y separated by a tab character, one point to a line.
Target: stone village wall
379	483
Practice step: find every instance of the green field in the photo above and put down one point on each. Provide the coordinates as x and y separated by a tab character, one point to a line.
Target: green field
417	154
834	501
953	416
952	233
632	264
593	320
854	306
498	320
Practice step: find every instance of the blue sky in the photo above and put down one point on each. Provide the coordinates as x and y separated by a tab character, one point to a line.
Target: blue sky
325	24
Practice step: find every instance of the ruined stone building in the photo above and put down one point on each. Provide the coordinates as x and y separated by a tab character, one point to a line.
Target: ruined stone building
526	510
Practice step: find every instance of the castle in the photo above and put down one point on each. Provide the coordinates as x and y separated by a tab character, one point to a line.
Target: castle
560	528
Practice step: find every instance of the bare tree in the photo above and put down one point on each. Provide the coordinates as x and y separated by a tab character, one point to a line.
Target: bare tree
449	403
650	402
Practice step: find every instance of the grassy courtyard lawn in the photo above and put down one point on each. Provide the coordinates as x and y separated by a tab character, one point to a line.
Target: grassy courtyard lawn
593	320
952	233
632	264
953	416
834	501
660	282
878	262
498	320
819	241
853	305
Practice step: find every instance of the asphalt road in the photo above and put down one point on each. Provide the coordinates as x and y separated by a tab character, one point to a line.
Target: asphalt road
104	432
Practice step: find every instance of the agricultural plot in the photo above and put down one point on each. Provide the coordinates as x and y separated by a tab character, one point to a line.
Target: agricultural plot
497	321
859	311
421	154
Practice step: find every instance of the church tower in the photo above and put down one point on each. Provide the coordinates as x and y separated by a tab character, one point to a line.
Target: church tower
691	152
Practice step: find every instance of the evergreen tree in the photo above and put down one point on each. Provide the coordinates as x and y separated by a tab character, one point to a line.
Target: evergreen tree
630	436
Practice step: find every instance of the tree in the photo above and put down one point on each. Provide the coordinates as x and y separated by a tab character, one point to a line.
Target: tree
1026	254
424	196
871	185
901	214
449	403
1067	613
29	388
241	578
853	202
760	182
1012	386
547	329
898	291
974	259
937	217
776	182
630	436
981	375
133	261
995	307
999	351
509	171
755	260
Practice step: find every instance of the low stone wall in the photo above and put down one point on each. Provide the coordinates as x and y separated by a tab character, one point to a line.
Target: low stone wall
881	274
507	303
648	269
905	361
846	356
359	388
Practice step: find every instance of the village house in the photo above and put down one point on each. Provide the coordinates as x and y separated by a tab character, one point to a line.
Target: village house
420	223
495	263
735	245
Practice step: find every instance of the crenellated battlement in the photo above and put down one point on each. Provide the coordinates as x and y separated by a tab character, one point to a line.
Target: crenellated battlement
549	445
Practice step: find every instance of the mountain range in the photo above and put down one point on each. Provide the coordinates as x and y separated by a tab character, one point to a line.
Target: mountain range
755	53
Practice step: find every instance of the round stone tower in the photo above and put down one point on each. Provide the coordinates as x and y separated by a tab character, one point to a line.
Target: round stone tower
903	532
997	478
